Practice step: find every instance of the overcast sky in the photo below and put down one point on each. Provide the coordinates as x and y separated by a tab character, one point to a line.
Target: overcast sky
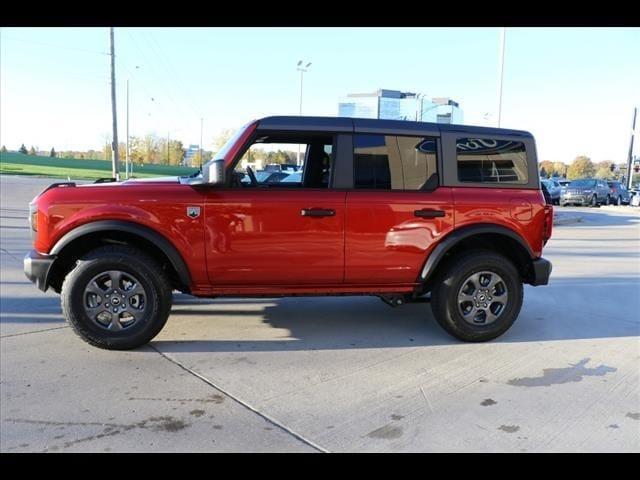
573	88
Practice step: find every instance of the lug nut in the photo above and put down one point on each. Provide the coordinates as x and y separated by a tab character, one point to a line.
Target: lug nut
115	310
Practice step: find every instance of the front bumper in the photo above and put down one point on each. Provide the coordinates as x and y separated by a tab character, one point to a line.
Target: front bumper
37	267
541	272
575	199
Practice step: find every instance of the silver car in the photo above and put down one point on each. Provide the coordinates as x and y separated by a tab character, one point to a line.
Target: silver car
586	191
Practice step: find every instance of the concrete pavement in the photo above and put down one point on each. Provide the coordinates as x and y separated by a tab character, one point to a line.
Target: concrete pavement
335	374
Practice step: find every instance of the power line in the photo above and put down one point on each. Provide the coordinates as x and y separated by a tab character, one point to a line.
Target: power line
163	77
56	46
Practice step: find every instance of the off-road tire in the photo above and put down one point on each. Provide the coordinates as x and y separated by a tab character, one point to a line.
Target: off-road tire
444	301
129	260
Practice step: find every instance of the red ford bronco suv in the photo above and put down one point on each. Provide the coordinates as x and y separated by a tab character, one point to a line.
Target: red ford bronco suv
407	211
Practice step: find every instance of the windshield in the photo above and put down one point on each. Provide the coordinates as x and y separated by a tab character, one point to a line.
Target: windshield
222	153
583	183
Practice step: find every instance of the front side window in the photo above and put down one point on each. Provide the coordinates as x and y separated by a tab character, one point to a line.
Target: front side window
286	161
389	162
484	160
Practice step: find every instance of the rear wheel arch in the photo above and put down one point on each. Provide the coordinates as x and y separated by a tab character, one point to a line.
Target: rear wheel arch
482	236
87	237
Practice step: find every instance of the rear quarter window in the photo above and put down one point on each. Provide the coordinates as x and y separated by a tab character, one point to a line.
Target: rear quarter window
486	160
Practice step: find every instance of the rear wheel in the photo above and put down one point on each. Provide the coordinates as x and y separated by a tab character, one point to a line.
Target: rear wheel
619	201
477	296
116	298
608	201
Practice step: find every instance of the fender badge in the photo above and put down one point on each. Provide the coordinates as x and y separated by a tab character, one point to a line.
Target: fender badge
193	212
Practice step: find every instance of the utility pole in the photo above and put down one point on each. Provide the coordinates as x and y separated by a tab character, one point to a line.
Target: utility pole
201	143
168	143
127	158
302	70
501	72
630	157
115	157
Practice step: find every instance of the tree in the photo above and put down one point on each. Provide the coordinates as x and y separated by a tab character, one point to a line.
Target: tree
32	151
603	169
53	152
547	167
23	149
4	149
581	166
559	169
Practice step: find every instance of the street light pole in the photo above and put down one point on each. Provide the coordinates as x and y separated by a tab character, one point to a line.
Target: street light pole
302	70
501	72
126	161
115	157
630	157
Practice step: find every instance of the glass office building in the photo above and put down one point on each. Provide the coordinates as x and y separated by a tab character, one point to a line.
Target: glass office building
397	105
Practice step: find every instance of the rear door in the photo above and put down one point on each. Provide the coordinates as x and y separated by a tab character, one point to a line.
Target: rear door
396	211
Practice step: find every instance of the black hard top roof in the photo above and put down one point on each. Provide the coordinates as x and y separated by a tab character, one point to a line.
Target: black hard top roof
347	124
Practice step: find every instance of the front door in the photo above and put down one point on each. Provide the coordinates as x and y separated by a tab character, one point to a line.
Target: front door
277	224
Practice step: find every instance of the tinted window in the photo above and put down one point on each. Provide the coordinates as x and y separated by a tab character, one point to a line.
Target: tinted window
394	162
583	183
485	160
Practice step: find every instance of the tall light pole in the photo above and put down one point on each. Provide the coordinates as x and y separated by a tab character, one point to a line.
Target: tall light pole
630	158
128	166
115	157
201	120
501	72
302	71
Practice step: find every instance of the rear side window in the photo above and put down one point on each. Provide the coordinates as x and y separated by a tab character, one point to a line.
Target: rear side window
388	162
485	160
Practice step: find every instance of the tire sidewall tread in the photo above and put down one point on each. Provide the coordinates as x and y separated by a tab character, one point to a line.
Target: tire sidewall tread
445	294
124	258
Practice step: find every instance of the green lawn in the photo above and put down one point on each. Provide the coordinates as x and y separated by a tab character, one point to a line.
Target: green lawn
20	164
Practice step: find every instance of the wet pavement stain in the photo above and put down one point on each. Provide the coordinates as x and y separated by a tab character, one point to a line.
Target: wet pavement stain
397	417
487	402
509	428
387	432
614	425
634	416
557	376
196	413
157	424
215	398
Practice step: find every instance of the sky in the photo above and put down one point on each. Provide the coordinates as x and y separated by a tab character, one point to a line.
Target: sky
574	89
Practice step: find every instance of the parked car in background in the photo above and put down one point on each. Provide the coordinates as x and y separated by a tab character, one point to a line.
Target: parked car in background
586	191
619	193
554	189
266	177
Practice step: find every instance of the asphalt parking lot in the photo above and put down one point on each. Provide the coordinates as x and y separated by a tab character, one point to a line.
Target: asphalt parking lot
335	374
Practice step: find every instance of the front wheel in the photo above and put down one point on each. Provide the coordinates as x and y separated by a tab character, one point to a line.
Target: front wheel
594	201
619	201
477	296
116	298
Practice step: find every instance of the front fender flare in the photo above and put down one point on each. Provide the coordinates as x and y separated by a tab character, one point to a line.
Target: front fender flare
167	248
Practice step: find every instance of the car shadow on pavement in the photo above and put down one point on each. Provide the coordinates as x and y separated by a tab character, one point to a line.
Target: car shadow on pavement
330	323
560	311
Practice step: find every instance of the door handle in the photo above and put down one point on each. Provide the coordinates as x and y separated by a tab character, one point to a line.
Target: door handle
317	212
428	213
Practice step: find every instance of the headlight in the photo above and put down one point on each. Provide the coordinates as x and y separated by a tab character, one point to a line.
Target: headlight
33	217
588	191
